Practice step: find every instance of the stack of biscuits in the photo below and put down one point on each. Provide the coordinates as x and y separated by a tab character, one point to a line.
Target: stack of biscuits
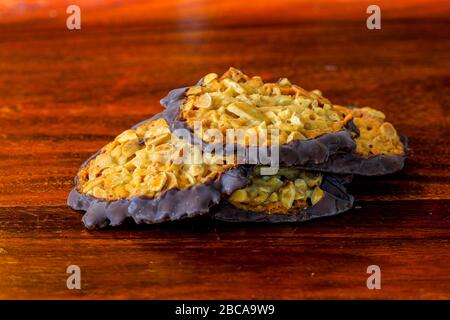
236	148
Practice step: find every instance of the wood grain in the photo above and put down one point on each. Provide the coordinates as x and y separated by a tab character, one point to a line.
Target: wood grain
64	94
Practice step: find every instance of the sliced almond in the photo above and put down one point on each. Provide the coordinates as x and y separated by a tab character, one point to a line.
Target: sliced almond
91	184
316	195
204	101
196	170
233	85
210	77
295	119
388	130
287	195
194	90
239	196
127	136
172	181
295	136
157	182
246	111
104	161
158	140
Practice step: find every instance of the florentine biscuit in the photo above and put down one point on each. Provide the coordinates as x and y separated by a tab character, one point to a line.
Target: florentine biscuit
313	132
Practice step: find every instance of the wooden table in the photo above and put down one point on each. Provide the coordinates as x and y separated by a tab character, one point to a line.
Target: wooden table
64	94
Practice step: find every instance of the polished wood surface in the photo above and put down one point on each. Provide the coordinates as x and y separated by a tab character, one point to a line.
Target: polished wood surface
64	94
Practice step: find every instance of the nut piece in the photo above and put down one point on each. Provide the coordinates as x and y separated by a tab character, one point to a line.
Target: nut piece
239	196
287	195
316	195
157	182
210	77
388	130
245	111
127	136
194	90
161	139
204	101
